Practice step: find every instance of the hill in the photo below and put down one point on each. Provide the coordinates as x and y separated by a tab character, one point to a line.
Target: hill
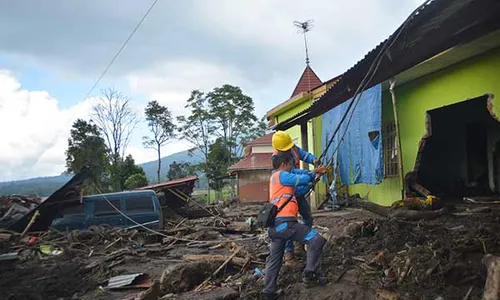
44	186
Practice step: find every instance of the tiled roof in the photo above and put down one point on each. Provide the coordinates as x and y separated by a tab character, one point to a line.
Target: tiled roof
307	81
267	139
256	161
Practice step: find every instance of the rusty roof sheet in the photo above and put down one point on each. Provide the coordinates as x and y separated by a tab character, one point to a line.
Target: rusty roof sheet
170	183
256	161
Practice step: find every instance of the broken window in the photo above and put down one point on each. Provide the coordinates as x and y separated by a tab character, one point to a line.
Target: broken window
389	143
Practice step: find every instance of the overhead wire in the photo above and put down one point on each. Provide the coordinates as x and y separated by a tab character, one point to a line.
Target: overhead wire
364	82
121	49
137	224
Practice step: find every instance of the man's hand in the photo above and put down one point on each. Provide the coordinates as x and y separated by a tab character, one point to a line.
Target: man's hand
320	170
315	162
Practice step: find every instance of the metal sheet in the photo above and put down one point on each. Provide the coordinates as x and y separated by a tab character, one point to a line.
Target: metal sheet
9	256
122	280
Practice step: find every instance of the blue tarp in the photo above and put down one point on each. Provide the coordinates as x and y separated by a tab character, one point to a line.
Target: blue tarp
359	155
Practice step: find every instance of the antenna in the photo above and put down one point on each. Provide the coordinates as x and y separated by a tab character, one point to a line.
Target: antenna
304	28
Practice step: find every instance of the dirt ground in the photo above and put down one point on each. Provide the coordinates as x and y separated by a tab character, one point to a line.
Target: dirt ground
366	257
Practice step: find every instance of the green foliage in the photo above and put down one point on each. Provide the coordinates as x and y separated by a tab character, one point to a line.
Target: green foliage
136	181
87	148
198	128
233	113
121	170
219	159
180	170
160	124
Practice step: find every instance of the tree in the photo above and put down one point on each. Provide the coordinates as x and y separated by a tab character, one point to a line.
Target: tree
218	153
233	113
136	181
258	130
116	121
87	148
161	126
198	127
121	170
180	170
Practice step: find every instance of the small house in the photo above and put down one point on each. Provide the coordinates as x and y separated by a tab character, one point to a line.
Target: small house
254	170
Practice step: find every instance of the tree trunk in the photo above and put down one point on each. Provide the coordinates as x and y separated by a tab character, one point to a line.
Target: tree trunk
159	164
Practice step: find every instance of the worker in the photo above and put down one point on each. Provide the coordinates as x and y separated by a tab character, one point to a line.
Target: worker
282	141
281	187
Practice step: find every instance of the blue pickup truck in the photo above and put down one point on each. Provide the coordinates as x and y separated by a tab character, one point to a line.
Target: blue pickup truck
141	206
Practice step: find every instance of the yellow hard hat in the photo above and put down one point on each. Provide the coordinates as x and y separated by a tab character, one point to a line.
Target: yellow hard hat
282	141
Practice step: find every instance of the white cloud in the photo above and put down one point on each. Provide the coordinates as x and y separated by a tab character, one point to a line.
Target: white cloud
34	130
171	82
343	30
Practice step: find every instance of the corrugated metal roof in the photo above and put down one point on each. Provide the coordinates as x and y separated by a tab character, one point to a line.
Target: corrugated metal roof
435	27
170	183
122	280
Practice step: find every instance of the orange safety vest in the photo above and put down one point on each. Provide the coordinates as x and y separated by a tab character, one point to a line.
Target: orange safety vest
295	156
279	193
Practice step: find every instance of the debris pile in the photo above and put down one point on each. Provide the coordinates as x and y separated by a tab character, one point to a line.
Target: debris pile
193	255
222	256
14	207
417	260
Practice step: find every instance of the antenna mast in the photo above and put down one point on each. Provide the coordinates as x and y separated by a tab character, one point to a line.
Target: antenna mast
304	28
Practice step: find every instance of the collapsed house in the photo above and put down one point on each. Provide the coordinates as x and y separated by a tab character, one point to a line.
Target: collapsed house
428	111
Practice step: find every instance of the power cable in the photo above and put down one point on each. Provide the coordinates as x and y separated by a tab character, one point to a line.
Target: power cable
165	235
364	82
121	48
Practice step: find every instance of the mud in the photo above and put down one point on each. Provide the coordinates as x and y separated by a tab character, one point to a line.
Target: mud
366	257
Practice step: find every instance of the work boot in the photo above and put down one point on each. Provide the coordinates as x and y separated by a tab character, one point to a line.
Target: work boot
272	296
290	260
311	279
299	251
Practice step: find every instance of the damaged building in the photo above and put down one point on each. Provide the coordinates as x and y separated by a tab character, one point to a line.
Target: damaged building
436	130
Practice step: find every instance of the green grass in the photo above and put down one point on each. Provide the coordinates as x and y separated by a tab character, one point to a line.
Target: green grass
201	195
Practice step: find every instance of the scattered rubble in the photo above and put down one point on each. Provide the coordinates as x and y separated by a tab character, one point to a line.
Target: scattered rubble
222	256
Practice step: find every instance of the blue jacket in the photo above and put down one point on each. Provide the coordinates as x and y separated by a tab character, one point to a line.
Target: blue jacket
306	157
303	185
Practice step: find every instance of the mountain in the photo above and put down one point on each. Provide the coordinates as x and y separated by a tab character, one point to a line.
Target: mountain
44	186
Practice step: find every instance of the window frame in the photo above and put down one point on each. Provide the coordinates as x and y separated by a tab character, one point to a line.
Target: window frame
390	151
110	212
151	208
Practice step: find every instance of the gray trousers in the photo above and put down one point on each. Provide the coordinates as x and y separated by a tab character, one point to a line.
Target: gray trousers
279	234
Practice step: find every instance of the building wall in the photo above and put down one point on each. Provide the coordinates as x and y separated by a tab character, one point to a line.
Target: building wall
262	149
253	186
471	78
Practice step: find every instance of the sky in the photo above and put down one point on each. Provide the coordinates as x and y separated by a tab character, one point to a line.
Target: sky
52	52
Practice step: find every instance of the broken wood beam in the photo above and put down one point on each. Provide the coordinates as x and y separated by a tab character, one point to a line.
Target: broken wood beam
411	215
237	261
492	285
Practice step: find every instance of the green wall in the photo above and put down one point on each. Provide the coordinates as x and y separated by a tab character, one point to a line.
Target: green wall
469	79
